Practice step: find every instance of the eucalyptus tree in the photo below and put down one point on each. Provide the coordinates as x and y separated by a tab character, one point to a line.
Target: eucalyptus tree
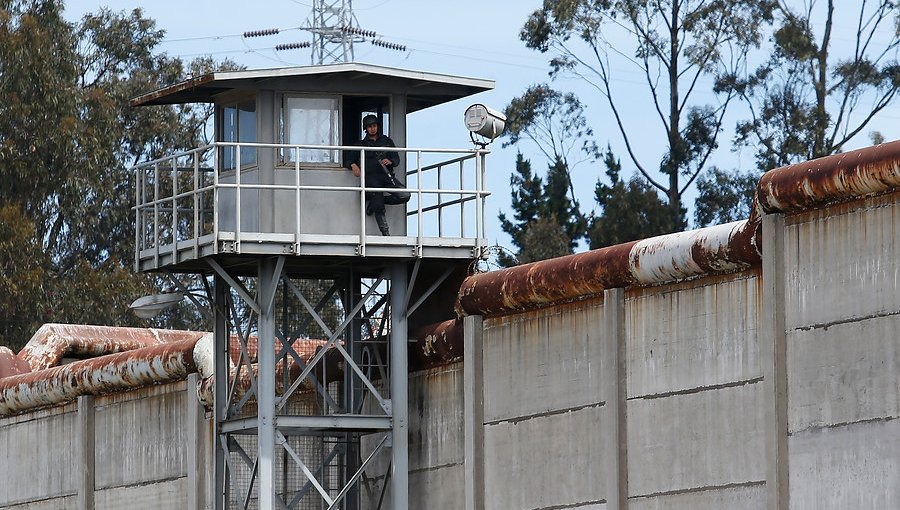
679	48
833	69
67	136
548	221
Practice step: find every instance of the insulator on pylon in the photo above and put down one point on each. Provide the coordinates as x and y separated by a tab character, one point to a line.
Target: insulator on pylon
389	45
261	33
292	46
348	29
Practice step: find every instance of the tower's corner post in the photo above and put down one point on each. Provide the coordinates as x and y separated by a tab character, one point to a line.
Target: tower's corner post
220	400
399	389
268	282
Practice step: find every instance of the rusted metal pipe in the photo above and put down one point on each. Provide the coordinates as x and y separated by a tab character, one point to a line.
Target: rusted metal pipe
437	344
52	342
831	179
654	261
114	372
682	255
546	282
10	364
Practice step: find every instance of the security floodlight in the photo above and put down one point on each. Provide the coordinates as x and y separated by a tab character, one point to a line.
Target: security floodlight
485	122
148	307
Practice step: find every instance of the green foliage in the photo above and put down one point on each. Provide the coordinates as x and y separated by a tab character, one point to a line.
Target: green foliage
810	97
674	43
67	135
553	120
546	212
536	203
724	196
544	239
21	275
629	210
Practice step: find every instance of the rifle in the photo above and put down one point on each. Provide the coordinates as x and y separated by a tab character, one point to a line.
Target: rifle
389	172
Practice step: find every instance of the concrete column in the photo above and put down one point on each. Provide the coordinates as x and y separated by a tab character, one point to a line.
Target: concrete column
614	395
773	354
195	446
473	410
85	467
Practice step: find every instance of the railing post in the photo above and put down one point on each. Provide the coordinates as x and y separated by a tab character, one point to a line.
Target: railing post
215	204
156	215
419	221
480	197
440	202
297	199
462	204
196	197
479	207
362	202
174	209
138	187
237	198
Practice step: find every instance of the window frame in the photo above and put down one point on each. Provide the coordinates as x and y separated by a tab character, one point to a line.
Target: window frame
235	101
282	130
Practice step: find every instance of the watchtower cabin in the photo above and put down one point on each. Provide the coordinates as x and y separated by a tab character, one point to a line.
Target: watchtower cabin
275	182
270	214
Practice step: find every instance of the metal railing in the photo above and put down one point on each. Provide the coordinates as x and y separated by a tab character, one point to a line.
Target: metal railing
179	198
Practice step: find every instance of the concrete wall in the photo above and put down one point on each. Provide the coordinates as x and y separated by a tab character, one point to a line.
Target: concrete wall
38	458
147	448
842	315
771	388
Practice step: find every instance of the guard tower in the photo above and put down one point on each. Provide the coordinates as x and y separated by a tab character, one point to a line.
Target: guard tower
269	213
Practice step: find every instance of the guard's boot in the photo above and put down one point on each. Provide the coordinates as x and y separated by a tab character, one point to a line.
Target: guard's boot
382	224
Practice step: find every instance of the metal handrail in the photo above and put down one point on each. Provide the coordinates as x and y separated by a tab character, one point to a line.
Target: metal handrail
164	173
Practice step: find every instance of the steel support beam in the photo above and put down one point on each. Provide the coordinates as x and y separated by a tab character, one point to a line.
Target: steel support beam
269	274
220	404
399	389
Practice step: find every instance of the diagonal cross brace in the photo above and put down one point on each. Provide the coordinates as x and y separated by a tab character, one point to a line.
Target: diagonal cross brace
331	341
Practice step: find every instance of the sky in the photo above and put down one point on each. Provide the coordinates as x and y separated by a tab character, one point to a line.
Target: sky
473	38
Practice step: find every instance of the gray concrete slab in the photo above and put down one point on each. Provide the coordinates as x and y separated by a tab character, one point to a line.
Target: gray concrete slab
543	361
706	439
141	439
692	335
842	264
38	458
436	432
853	466
844	373
440	487
752	497
547	461
165	494
444	487
65	503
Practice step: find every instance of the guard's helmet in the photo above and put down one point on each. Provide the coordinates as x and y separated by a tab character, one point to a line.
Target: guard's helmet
368	120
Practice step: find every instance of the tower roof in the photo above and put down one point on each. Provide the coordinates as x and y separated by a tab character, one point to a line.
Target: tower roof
423	89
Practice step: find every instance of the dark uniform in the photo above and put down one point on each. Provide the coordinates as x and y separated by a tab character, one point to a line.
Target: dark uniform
379	175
